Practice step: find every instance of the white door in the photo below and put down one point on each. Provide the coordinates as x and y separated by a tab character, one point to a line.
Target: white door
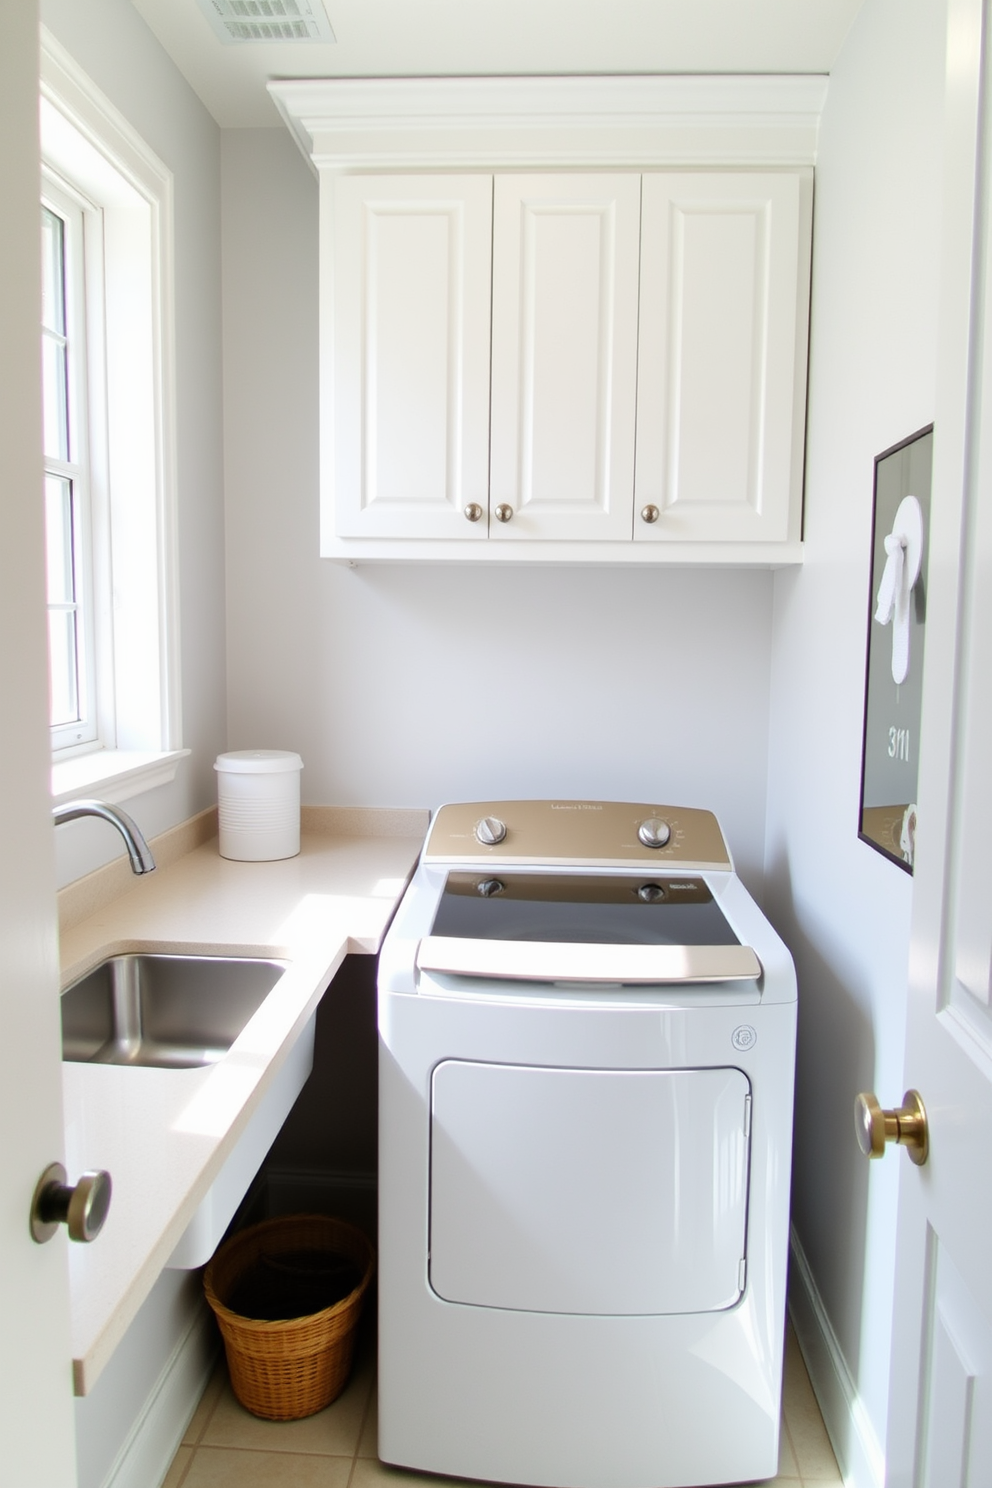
565	256
722	356
940	1416
36	1415
404	299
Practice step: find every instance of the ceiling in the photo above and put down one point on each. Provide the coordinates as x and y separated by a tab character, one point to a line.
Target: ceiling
431	38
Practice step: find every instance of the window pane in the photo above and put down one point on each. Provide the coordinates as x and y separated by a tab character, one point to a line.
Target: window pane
64	695
53	389
59	529
63	612
52	272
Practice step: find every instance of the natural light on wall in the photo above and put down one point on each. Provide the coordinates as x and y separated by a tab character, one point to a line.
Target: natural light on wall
110	436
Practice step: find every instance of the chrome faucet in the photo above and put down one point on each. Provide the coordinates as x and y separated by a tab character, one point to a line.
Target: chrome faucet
137	848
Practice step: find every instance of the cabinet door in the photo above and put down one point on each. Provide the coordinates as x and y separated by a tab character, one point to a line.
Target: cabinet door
722	356
405	304
565	252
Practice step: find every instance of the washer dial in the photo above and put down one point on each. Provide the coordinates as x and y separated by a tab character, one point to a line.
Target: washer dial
490	830
654	832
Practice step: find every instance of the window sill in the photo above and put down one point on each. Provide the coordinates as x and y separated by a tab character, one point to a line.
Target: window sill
114	774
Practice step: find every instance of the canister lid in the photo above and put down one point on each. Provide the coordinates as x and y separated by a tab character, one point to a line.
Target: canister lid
258	761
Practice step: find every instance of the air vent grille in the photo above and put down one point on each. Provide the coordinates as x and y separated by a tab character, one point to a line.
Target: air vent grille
268	20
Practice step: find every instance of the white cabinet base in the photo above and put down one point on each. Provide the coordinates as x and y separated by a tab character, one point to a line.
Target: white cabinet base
603	554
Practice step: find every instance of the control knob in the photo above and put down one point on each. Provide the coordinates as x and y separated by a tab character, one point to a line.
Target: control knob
487	887
490	830
654	832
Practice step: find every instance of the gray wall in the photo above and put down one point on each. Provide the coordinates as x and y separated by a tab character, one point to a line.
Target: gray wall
110	42
844	909
410	685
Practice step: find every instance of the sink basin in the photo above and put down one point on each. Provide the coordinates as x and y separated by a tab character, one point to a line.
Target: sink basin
169	1012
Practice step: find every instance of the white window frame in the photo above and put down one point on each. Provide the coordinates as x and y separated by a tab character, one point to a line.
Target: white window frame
127	192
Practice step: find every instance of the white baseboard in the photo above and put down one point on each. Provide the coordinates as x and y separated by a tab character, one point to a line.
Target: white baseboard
146	1455
857	1448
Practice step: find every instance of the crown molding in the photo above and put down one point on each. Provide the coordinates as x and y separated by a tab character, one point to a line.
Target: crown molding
350	124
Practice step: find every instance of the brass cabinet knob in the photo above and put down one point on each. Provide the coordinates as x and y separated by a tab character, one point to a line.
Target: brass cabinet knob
906	1126
82	1208
650	514
504	512
473	511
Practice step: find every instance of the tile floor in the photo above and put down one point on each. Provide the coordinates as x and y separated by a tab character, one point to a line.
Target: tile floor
225	1447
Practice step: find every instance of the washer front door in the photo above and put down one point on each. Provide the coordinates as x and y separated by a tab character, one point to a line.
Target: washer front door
588	1191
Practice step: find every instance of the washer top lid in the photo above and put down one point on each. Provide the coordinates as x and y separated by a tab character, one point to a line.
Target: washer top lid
258	761
578	834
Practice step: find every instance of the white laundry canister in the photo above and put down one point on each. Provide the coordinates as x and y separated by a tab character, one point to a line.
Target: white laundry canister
258	804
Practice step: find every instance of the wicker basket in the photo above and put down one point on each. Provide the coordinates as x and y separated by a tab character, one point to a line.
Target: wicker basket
290	1368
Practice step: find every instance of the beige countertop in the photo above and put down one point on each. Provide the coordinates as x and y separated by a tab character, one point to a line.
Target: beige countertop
164	1135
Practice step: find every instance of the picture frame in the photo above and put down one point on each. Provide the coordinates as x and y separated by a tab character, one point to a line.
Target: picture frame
894	648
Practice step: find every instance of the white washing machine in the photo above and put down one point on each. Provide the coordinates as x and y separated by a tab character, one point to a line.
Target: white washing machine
587	1047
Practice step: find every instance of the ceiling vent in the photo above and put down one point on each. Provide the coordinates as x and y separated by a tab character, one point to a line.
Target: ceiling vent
268	20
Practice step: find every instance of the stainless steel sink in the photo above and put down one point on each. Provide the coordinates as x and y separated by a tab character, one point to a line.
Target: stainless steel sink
170	1012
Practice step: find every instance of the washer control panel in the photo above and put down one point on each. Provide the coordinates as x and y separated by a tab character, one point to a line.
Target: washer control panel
581	834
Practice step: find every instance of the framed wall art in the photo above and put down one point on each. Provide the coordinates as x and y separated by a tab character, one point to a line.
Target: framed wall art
894	662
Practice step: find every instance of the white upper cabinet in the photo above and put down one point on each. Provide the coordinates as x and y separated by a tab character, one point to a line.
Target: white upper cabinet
721	362
562	319
564	357
405	350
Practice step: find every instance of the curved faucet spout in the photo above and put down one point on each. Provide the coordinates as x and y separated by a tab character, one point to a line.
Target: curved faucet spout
137	848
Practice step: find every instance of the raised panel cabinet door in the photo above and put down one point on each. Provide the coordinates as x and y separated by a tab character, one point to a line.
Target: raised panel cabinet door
565	251
722	356
405	305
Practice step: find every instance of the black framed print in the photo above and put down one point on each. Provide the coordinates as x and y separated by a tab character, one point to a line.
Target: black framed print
894	659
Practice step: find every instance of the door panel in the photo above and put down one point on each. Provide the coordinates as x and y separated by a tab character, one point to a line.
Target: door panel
588	1191
940	1404
37	1448
409	429
565	256
973	913
719	433
957	1424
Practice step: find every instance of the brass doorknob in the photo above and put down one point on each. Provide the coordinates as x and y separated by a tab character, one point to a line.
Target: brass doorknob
504	512
907	1126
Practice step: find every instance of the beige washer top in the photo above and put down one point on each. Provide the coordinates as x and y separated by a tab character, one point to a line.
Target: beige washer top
577	834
